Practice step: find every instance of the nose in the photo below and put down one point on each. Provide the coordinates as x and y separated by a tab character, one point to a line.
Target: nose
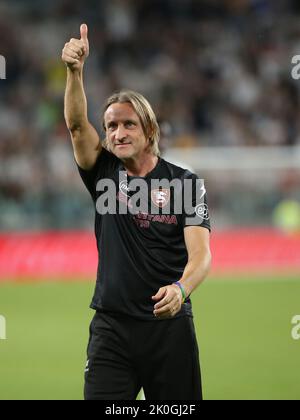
120	134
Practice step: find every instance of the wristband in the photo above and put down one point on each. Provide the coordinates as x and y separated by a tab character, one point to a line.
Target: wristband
182	290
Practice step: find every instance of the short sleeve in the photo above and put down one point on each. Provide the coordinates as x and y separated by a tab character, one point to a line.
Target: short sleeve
195	208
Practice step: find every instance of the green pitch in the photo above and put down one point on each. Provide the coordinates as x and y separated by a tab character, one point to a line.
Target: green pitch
243	326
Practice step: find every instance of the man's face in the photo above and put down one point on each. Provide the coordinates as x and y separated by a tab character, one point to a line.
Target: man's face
124	131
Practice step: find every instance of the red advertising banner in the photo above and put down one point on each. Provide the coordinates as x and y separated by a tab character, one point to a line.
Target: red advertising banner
73	255
48	255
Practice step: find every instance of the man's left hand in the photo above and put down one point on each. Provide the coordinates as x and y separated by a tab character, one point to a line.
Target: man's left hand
169	301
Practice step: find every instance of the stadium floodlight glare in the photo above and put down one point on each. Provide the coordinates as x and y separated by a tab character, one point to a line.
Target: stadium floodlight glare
2	67
2	328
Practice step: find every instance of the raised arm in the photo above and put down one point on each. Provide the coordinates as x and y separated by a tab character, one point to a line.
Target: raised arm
85	139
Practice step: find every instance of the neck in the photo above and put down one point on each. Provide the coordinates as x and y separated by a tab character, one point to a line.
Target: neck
140	167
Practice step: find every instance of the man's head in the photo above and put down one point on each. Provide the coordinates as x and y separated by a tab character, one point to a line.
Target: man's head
130	125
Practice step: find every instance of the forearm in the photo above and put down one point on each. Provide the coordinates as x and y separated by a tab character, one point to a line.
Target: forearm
196	271
75	101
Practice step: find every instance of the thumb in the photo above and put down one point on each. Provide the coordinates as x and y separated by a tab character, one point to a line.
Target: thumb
160	294
84	33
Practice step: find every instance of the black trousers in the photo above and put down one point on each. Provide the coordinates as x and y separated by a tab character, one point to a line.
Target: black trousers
125	354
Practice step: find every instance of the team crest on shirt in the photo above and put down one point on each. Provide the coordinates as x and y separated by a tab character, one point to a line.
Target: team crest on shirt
161	197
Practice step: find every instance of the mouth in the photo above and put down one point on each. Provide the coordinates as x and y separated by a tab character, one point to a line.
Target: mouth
122	145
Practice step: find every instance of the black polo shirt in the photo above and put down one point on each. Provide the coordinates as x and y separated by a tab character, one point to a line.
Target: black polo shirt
143	250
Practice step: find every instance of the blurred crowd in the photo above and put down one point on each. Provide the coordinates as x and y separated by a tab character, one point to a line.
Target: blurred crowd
218	73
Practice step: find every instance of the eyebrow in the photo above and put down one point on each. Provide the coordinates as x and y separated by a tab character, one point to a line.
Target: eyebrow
126	121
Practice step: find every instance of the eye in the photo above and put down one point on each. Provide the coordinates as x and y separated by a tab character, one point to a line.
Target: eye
111	126
129	124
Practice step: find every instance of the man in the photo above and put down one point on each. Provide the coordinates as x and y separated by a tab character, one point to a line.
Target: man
142	334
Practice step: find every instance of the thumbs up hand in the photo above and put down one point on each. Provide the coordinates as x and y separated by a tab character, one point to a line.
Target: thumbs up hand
76	51
84	38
